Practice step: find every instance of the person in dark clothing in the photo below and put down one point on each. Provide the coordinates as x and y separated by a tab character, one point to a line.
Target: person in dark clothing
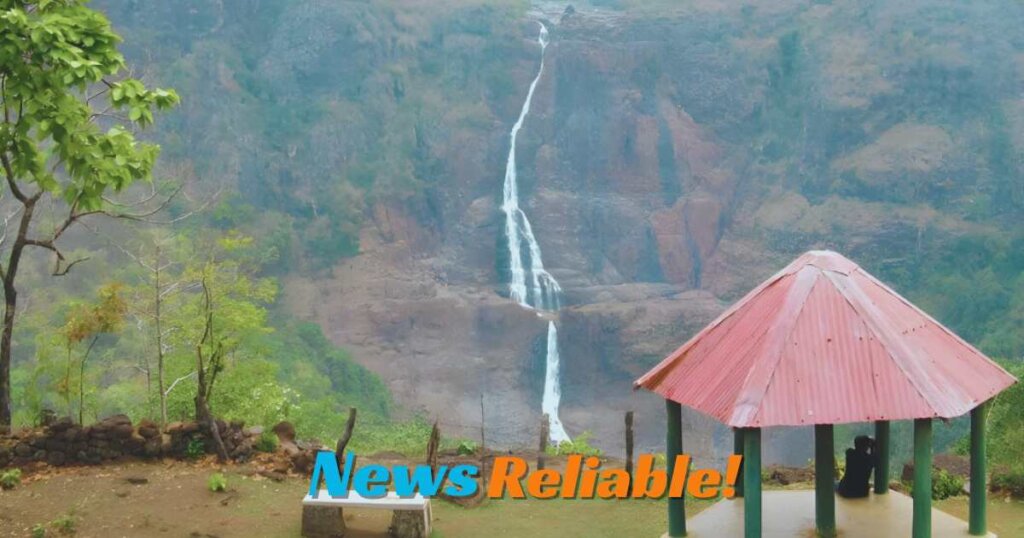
860	462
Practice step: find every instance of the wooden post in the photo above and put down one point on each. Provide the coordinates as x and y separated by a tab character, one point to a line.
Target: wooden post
978	525
483	446
673	448
629	447
346	436
922	526
824	481
432	445
737	448
882	452
545	434
752	483
321	521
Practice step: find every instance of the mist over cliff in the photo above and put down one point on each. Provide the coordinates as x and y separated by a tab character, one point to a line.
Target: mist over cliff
673	157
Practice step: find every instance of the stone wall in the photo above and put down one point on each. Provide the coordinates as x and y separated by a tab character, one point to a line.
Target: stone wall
62	442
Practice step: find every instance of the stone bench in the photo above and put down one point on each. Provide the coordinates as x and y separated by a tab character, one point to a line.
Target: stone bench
323	516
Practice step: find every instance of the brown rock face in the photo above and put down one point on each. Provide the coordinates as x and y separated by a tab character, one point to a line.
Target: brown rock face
687	234
627	195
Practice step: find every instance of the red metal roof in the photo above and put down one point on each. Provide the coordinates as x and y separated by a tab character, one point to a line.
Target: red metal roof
824	342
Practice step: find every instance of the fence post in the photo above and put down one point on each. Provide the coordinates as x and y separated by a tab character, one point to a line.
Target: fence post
629	447
483	445
545	433
432	445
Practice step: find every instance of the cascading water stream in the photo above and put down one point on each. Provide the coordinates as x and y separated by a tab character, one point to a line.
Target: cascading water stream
530	284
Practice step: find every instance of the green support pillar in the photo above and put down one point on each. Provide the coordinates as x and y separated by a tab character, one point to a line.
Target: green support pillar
824	481
673	448
737	448
882	453
922	527
752	483
979	479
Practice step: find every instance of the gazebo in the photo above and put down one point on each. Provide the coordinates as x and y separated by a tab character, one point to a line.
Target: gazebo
821	343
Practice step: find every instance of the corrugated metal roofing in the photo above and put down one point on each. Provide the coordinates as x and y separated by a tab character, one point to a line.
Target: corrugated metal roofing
824	342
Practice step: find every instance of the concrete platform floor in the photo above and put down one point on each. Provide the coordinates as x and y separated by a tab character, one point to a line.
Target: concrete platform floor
790	514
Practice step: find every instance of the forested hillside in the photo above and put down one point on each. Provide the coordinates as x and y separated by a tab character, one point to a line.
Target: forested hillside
343	159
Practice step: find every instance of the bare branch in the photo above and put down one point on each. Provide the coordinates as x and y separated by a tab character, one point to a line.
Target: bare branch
143	217
176	381
49	245
89	99
7	221
152	194
61	272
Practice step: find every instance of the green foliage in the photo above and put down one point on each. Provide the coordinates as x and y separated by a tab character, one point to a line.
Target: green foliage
267	442
1006	427
195	449
65	524
217	483
10	478
66	134
55	53
379	434
38	530
578	445
467	447
1009	481
945	484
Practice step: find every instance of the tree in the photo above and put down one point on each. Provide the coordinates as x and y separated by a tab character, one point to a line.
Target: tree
88	322
65	134
221	304
157	283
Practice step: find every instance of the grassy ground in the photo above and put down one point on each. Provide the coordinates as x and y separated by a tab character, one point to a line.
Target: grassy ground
1005	516
174	501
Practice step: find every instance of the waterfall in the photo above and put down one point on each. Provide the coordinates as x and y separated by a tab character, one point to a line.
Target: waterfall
552	388
530	285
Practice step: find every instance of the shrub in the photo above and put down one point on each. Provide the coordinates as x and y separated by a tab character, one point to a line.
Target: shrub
580	445
467	447
39	530
64	524
195	449
10	478
1011	482
267	442
217	482
945	484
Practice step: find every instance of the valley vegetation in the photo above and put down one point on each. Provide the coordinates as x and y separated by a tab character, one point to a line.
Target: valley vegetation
299	122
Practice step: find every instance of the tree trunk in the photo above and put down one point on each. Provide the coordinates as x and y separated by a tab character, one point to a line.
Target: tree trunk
11	309
81	381
432	445
346	436
205	417
160	346
203	414
10	306
545	436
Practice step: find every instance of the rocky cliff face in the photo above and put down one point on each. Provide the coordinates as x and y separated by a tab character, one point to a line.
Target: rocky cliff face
629	197
672	159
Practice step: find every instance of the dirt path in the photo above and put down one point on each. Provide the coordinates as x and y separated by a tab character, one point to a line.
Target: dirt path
171	499
164	499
